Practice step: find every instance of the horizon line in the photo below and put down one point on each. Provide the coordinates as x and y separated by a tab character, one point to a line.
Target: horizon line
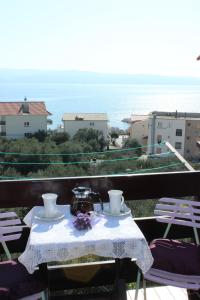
97	72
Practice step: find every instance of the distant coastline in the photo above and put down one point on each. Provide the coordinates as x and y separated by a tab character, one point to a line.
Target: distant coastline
119	101
84	77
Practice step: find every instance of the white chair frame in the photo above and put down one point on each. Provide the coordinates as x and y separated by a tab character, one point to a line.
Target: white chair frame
179	212
11	229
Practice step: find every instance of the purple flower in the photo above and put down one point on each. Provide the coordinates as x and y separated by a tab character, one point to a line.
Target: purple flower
82	221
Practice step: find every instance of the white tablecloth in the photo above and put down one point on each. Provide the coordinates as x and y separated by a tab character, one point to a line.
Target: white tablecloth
116	237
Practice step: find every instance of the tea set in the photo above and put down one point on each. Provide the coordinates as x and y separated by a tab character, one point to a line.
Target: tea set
82	202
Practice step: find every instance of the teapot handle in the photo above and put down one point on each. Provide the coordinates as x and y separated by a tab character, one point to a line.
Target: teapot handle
94	195
101	203
97	197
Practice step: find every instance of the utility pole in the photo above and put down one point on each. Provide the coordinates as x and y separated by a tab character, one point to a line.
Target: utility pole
153	129
179	156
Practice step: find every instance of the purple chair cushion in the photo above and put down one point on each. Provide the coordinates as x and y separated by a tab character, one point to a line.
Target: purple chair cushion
4	294
176	256
16	282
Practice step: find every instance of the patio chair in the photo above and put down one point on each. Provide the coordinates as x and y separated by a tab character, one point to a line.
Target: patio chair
15	281
176	263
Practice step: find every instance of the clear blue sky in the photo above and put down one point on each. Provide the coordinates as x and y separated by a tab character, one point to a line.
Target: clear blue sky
110	36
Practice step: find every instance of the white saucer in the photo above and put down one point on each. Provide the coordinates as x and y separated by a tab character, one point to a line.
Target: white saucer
41	216
106	211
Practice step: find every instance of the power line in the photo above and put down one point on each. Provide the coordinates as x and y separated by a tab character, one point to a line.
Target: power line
157	168
80	153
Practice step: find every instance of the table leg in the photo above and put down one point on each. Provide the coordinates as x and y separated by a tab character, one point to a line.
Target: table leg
120	283
44	271
137	284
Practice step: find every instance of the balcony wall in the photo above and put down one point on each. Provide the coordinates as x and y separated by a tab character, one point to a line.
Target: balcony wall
19	193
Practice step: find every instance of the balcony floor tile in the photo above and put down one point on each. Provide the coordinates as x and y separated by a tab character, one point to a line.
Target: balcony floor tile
160	293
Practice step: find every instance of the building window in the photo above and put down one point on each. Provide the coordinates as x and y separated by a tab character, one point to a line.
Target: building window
178	145
2	133
27	134
178	132
26	124
159	124
2	121
188	137
91	123
159	138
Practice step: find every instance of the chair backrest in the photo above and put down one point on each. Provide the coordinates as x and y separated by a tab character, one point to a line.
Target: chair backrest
179	212
9	229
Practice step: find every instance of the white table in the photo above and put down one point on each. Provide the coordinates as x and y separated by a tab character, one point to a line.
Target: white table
115	237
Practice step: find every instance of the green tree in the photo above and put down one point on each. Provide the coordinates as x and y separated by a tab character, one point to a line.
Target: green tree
60	137
114	135
9	173
92	137
133	143
29	156
74	151
40	135
58	171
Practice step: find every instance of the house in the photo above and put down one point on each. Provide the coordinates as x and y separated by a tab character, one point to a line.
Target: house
139	128
20	119
181	130
75	121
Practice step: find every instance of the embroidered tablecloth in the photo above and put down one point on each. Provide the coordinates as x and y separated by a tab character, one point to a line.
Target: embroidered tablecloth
110	236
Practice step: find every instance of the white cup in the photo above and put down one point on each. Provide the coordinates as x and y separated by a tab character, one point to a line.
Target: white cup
50	208
116	201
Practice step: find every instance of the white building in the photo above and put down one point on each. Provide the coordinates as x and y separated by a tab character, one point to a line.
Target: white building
181	130
75	121
20	119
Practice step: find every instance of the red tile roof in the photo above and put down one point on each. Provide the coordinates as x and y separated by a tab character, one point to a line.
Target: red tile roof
15	108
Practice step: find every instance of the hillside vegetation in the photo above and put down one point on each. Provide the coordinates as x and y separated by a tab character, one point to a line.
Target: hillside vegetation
58	155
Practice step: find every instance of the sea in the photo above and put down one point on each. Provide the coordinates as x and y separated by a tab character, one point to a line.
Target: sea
119	101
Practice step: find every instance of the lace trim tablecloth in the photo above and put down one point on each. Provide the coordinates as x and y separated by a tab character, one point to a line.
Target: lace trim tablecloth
115	237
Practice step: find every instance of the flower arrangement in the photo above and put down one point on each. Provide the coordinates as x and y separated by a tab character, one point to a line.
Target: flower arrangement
82	221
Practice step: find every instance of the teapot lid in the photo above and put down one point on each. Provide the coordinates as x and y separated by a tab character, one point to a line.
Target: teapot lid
81	191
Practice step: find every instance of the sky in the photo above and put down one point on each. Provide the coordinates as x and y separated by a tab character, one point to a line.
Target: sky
109	36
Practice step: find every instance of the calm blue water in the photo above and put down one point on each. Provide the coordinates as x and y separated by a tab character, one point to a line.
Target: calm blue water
117	100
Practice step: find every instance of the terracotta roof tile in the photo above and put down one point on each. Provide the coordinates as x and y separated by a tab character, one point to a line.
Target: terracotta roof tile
15	108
